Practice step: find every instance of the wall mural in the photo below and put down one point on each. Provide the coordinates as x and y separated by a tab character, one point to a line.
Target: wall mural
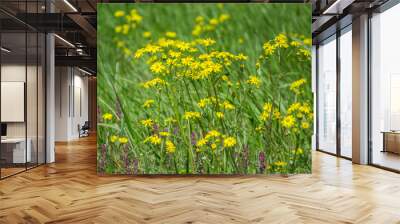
204	89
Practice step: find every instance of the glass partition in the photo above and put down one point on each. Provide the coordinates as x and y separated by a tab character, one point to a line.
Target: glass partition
385	89
14	153
22	77
346	92
327	95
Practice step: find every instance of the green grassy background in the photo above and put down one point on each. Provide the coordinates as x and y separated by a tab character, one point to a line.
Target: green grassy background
119	74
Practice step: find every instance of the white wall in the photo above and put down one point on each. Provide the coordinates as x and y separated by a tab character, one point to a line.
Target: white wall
71	94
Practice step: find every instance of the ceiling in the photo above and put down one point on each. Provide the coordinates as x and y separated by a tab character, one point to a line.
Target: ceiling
74	22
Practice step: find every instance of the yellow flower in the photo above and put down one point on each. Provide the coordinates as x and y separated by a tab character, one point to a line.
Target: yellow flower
203	103
164	133
119	13
197	30
223	17
107	116
276	114
199	19
118	29
253	80
146	34
147	122
228	105
299	115
212	133
205	42
201	142
123	140
305	125
113	138
299	151
229	142
125	29
186	61
220	115
296	85
241	57
170	146
170	34
295	43
288	121
154	82
213	21
259	128
190	114
148	103
264	115
280	163
157	67
213	146
134	17
281	41
267	107
305	52
305	108
269	49
154	139
294	107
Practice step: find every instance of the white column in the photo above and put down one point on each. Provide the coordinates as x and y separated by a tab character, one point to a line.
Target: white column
360	90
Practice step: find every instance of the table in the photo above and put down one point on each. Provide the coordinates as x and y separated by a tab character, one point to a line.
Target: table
16	147
391	141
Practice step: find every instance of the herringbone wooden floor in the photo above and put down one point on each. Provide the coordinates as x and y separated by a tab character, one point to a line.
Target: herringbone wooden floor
69	191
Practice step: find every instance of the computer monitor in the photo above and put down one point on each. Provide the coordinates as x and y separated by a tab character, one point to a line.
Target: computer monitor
3	129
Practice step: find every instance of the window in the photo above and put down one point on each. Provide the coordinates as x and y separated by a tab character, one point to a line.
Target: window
327	96
385	89
346	92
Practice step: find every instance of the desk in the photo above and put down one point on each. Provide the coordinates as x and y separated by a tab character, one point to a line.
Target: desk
16	147
391	141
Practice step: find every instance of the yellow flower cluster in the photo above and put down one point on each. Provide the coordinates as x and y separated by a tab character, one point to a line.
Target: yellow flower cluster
154	139
301	112
170	34
147	34
184	59
227	105
282	41
148	103
268	111
156	82
220	115
191	115
203	25
280	163
170	147
131	21
295	86
213	138
164	134
107	116
121	139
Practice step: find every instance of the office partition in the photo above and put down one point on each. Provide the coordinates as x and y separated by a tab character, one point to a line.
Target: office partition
22	76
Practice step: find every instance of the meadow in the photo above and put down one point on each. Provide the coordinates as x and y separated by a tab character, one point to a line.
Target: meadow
204	89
